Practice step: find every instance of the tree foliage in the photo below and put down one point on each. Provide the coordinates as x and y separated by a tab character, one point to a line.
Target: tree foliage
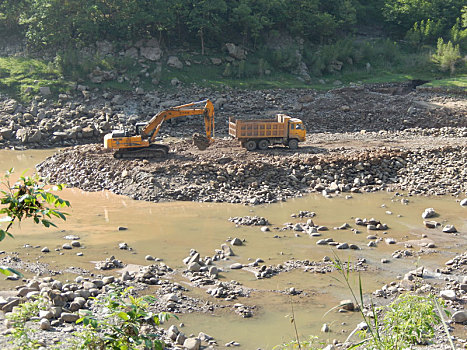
67	23
447	55
208	24
400	15
28	198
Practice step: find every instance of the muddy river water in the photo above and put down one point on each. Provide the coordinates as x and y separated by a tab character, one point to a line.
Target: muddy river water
169	230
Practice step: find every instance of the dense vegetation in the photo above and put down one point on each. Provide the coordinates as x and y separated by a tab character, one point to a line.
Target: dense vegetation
331	37
249	22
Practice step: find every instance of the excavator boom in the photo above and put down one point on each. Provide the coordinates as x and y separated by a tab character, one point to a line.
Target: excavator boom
142	146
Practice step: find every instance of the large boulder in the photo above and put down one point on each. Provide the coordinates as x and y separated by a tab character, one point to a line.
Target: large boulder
6	133
152	53
22	134
9	106
104	47
192	344
460	316
35	136
44	90
174	62
428	213
132	52
236	51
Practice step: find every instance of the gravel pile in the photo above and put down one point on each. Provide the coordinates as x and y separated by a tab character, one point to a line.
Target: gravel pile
260	178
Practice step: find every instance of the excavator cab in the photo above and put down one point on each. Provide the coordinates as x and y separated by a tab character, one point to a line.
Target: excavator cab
139	127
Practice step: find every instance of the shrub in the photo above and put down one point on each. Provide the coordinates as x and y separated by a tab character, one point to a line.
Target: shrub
122	323
446	55
19	317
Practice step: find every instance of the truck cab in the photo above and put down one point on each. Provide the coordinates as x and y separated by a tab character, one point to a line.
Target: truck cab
297	129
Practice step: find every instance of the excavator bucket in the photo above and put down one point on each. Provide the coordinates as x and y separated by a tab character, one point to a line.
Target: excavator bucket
200	141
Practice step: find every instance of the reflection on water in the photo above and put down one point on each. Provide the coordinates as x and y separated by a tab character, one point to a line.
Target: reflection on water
169	230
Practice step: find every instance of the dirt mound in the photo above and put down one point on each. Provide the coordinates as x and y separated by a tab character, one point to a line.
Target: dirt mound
228	173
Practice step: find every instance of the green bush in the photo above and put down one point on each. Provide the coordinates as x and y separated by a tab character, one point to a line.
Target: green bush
123	322
446	56
21	314
424	32
411	319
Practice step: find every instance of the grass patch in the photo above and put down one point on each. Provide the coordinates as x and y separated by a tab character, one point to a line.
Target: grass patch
18	74
450	83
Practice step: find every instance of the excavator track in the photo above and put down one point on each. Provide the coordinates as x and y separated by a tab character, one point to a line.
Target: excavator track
153	151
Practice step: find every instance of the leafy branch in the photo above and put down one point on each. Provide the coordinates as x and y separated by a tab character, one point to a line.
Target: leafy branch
30	197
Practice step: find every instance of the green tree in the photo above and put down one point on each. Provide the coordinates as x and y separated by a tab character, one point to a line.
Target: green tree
205	17
28	198
458	32
400	15
424	32
300	18
446	55
60	23
249	22
369	12
10	13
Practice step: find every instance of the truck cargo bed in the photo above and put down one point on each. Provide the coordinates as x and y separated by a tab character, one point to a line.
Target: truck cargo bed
257	128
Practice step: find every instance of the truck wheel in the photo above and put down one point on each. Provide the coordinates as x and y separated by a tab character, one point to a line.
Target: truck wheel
293	144
263	144
250	145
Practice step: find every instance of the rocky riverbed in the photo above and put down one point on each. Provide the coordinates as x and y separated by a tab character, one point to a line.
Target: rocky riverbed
361	138
84	116
65	301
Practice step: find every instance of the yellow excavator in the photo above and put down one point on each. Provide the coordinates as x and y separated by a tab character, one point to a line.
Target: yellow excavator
142	145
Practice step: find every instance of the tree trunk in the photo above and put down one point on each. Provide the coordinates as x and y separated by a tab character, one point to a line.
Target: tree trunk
201	34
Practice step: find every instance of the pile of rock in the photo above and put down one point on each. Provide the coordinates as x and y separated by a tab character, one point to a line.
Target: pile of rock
324	266
371	224
151	274
304	214
249	220
201	271
109	264
228	290
62	301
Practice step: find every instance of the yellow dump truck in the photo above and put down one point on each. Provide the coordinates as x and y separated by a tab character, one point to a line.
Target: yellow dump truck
260	133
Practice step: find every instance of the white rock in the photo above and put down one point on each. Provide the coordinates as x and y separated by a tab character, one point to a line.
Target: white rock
460	316
44	324
236	266
192	344
449	229
428	213
448	294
